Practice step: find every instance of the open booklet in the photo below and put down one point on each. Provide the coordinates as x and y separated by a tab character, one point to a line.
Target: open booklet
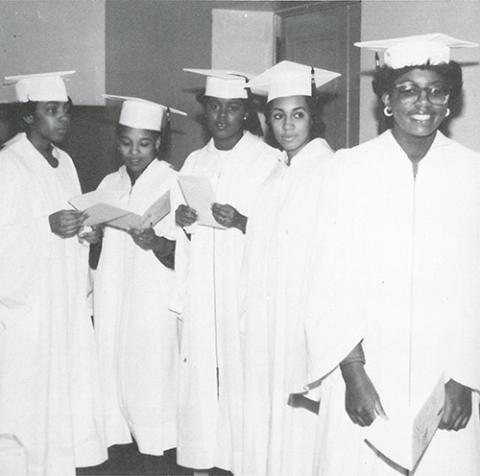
405	437
199	195
104	207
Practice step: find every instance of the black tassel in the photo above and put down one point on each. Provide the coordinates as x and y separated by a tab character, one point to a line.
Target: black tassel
377	61
166	136
312	79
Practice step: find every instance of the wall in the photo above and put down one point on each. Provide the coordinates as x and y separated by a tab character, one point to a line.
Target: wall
390	19
39	36
251	35
146	50
149	42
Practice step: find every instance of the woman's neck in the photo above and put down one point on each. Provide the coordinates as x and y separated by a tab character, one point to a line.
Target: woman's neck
228	143
416	147
44	146
133	175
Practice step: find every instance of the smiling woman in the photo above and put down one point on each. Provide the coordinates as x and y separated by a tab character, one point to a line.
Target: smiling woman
416	101
402	244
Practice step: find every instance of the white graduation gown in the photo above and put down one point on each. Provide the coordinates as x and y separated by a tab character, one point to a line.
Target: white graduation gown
136	332
413	283
207	269
49	385
278	438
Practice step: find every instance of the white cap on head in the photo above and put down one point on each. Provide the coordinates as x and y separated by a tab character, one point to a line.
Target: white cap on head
40	87
141	114
288	78
222	83
418	50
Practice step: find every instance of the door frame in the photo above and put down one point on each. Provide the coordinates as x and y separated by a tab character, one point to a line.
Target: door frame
352	74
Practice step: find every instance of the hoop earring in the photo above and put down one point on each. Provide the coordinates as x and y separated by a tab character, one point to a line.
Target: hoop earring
387	111
447	112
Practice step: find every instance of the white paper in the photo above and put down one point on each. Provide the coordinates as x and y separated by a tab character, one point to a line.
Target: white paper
158	210
102	213
199	195
87	200
404	437
104	207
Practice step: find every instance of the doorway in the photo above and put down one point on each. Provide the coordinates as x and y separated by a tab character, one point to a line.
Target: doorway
322	34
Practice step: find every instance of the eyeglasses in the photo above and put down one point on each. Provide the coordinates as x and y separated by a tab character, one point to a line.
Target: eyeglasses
410	93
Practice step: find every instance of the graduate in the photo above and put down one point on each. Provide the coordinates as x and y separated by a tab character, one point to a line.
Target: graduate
279	420
49	389
207	264
403	254
136	333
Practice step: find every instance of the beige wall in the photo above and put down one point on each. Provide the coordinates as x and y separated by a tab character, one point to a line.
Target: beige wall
389	19
39	36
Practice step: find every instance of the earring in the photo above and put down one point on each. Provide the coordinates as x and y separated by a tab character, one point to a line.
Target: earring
387	111
447	112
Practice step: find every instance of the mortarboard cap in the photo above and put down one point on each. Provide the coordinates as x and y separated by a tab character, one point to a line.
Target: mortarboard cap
433	48
222	83
141	114
40	87
288	78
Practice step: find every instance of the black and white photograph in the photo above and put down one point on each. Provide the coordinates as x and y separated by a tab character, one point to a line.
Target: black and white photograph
239	238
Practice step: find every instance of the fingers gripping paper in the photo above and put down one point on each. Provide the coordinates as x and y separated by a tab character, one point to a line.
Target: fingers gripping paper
404	438
199	195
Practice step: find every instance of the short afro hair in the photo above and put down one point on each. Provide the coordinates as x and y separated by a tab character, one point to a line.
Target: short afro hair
385	77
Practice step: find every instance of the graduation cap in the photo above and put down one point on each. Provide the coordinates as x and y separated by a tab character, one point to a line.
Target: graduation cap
418	50
288	78
142	114
223	83
40	86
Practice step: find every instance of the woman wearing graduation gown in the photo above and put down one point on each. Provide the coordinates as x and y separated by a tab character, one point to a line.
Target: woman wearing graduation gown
136	332
49	390
404	276
279	416
207	266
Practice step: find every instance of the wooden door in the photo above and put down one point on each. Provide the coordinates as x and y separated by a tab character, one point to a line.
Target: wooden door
322	35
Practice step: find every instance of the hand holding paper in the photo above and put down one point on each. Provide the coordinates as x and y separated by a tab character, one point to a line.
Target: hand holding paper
199	195
229	217
457	408
185	216
406	436
66	223
145	238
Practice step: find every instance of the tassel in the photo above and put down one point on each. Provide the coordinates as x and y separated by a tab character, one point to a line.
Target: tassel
166	135
314	86
377	61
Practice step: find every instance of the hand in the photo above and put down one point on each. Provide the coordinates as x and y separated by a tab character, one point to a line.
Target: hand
229	217
145	238
457	408
92	236
185	216
66	223
362	402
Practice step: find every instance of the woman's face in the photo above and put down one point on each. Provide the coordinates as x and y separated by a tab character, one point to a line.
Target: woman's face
419	103
137	148
50	120
225	118
291	123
